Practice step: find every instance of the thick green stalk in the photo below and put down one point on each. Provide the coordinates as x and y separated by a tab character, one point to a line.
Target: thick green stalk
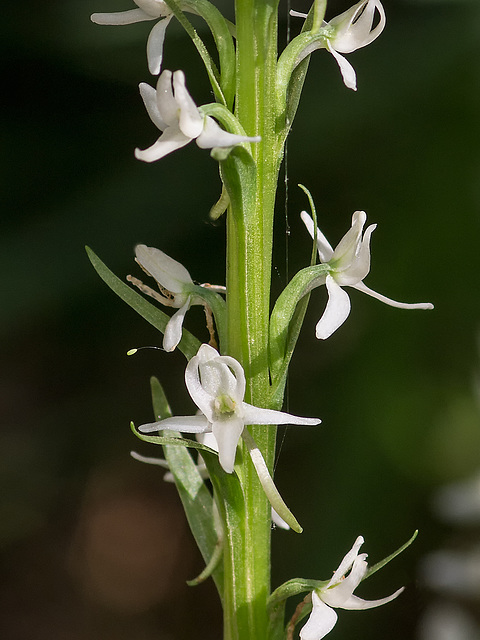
249	255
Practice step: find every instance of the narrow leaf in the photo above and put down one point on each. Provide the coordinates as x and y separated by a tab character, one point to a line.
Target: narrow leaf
393	555
188	345
196	498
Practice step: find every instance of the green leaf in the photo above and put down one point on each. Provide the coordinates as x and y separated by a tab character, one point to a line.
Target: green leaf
196	498
277	601
284	332
291	74
188	345
221	30
297	317
389	558
210	66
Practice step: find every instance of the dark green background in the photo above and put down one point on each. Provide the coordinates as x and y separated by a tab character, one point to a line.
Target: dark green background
93	543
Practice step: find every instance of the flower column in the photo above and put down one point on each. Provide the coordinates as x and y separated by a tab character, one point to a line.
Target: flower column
249	251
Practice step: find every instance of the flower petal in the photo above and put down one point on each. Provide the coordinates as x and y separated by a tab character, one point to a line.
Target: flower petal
149	97
166	103
213	135
155	8
360	33
227	434
257	415
173	330
341	593
348	248
186	424
170	140
336	311
360	266
234	384
348	72
321	620
325	249
347	562
400	305
121	17
190	121
155	45
359	604
169	273
199	394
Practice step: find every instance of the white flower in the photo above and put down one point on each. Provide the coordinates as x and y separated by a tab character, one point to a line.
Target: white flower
338	594
217	386
350	31
147	10
348	266
173	111
176	289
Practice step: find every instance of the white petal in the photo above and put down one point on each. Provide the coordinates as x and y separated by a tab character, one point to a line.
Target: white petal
359	604
166	103
349	246
173	330
257	415
236	383
340	594
213	135
149	97
297	14
169	273
325	249
189	120
348	72
336	311
121	17
170	140
155	461
227	434
155	45
360	33
186	424
360	266
347	562
208	439
202	398
400	305
155	8
321	620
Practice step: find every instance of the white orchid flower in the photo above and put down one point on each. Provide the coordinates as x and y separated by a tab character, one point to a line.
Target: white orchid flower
172	109
338	594
175	285
217	386
348	265
147	10
348	32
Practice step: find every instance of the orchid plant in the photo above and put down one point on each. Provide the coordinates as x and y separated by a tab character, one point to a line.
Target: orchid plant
237	379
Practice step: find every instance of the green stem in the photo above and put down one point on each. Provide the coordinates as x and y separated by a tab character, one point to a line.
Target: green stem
249	255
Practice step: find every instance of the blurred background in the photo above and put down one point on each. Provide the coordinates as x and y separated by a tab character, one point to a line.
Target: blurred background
93	544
